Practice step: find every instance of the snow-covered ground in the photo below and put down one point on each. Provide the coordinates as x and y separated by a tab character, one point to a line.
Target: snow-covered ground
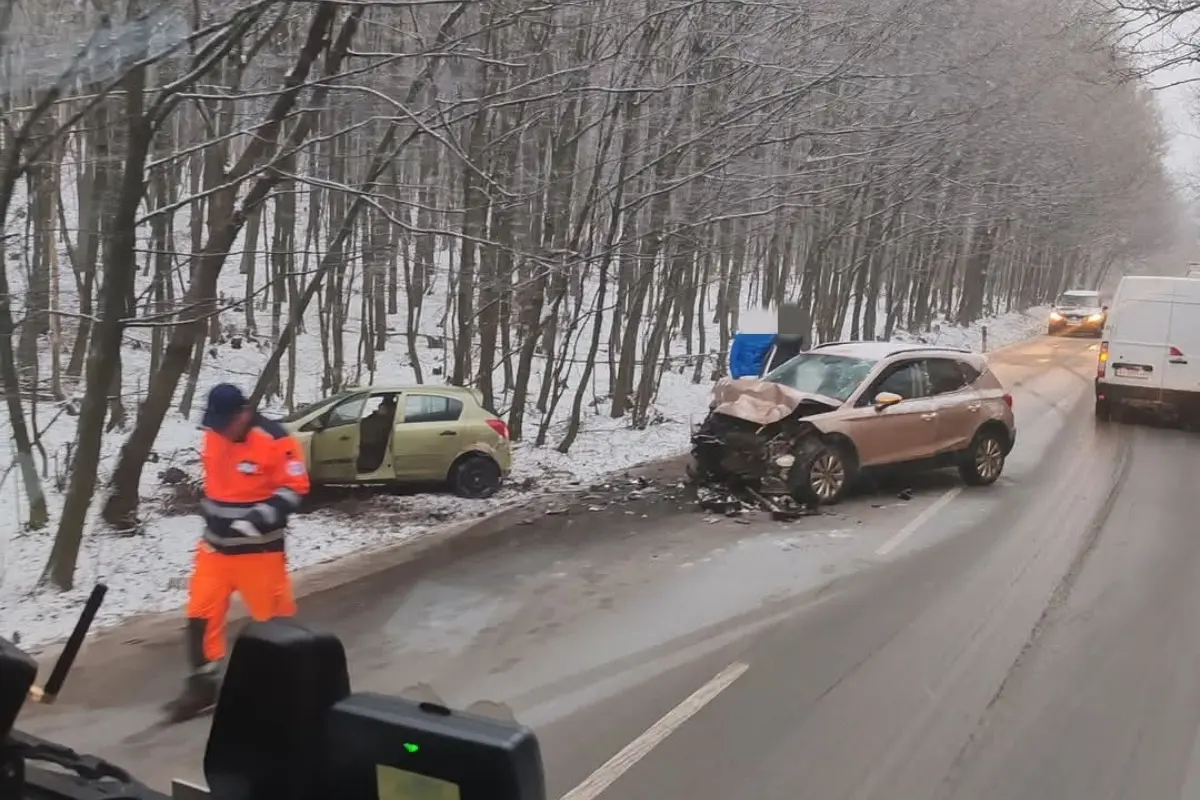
146	573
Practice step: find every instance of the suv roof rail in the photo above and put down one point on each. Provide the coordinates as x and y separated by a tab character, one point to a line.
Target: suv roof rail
945	347
906	348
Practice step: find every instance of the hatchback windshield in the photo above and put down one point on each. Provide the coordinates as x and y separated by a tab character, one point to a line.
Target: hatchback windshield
821	373
1079	300
310	407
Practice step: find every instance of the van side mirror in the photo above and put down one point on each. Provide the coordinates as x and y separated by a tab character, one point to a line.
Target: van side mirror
886	400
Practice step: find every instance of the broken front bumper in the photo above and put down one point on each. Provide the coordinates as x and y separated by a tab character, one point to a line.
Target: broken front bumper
740	453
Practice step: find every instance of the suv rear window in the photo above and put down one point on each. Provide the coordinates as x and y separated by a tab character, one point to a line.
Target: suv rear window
949	375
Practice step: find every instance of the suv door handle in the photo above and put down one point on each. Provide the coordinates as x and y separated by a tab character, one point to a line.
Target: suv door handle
343	438
448	433
1179	361
929	417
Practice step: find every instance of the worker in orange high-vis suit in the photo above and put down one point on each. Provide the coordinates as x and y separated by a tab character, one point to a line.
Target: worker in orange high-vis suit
254	478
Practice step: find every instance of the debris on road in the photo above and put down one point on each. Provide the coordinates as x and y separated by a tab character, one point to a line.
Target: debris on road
735	502
740	466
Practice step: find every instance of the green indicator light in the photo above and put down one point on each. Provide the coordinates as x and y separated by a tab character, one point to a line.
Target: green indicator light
411	748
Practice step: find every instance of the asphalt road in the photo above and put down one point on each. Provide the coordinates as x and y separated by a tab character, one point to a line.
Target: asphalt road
1034	639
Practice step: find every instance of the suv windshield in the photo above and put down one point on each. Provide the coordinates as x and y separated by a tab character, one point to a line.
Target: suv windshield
820	373
1079	300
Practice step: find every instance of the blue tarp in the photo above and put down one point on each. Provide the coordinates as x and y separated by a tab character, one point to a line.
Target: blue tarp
748	353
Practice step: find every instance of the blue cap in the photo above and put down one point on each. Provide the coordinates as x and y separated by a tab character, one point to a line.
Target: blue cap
224	402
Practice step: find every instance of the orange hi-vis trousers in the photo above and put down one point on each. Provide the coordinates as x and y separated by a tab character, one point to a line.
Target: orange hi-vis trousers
261	579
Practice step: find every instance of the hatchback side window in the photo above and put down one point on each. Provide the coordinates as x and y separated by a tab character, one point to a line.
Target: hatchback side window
347	412
946	375
431	408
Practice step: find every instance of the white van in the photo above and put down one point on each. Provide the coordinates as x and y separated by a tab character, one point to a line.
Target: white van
1150	348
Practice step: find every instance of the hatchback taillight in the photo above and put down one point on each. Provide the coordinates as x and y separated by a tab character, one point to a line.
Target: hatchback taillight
1102	364
1008	400
499	426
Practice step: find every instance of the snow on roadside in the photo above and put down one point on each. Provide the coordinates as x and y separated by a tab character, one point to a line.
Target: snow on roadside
147	573
1002	330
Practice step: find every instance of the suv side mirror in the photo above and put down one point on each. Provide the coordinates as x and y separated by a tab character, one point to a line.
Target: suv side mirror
886	400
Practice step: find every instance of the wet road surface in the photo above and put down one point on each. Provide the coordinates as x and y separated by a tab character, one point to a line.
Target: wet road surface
1033	639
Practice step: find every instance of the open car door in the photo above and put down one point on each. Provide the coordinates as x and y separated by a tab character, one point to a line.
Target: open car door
428	436
335	442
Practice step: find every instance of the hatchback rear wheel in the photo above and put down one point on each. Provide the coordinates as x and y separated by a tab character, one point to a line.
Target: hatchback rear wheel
476	477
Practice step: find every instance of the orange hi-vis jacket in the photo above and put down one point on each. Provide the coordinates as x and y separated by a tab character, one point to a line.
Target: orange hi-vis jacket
259	480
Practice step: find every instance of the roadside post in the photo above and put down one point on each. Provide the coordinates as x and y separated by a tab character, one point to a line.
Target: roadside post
983	344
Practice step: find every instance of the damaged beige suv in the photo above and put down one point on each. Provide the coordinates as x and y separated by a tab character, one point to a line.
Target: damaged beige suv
812	425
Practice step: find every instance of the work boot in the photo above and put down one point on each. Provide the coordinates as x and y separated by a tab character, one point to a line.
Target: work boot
199	696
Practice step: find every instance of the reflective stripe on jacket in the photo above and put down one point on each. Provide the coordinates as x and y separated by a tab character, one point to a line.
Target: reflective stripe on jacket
258	481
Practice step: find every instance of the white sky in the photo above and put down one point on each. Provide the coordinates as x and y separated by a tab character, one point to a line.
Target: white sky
1178	106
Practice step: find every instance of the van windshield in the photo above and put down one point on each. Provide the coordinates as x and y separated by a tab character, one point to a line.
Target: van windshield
1079	300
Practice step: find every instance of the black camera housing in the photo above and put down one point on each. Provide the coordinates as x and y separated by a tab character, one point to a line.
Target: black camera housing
18	671
486	759
287	727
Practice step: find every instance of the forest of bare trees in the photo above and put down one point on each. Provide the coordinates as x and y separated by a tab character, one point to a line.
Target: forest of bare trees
550	190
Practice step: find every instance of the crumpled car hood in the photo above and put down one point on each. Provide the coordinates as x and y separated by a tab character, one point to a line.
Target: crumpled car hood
762	402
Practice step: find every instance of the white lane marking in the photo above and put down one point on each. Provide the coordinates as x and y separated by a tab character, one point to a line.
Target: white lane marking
911	528
636	750
557	708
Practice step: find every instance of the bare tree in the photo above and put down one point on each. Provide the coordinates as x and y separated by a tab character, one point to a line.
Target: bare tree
576	201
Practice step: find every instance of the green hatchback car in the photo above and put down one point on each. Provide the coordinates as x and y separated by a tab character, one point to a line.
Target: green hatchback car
404	434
